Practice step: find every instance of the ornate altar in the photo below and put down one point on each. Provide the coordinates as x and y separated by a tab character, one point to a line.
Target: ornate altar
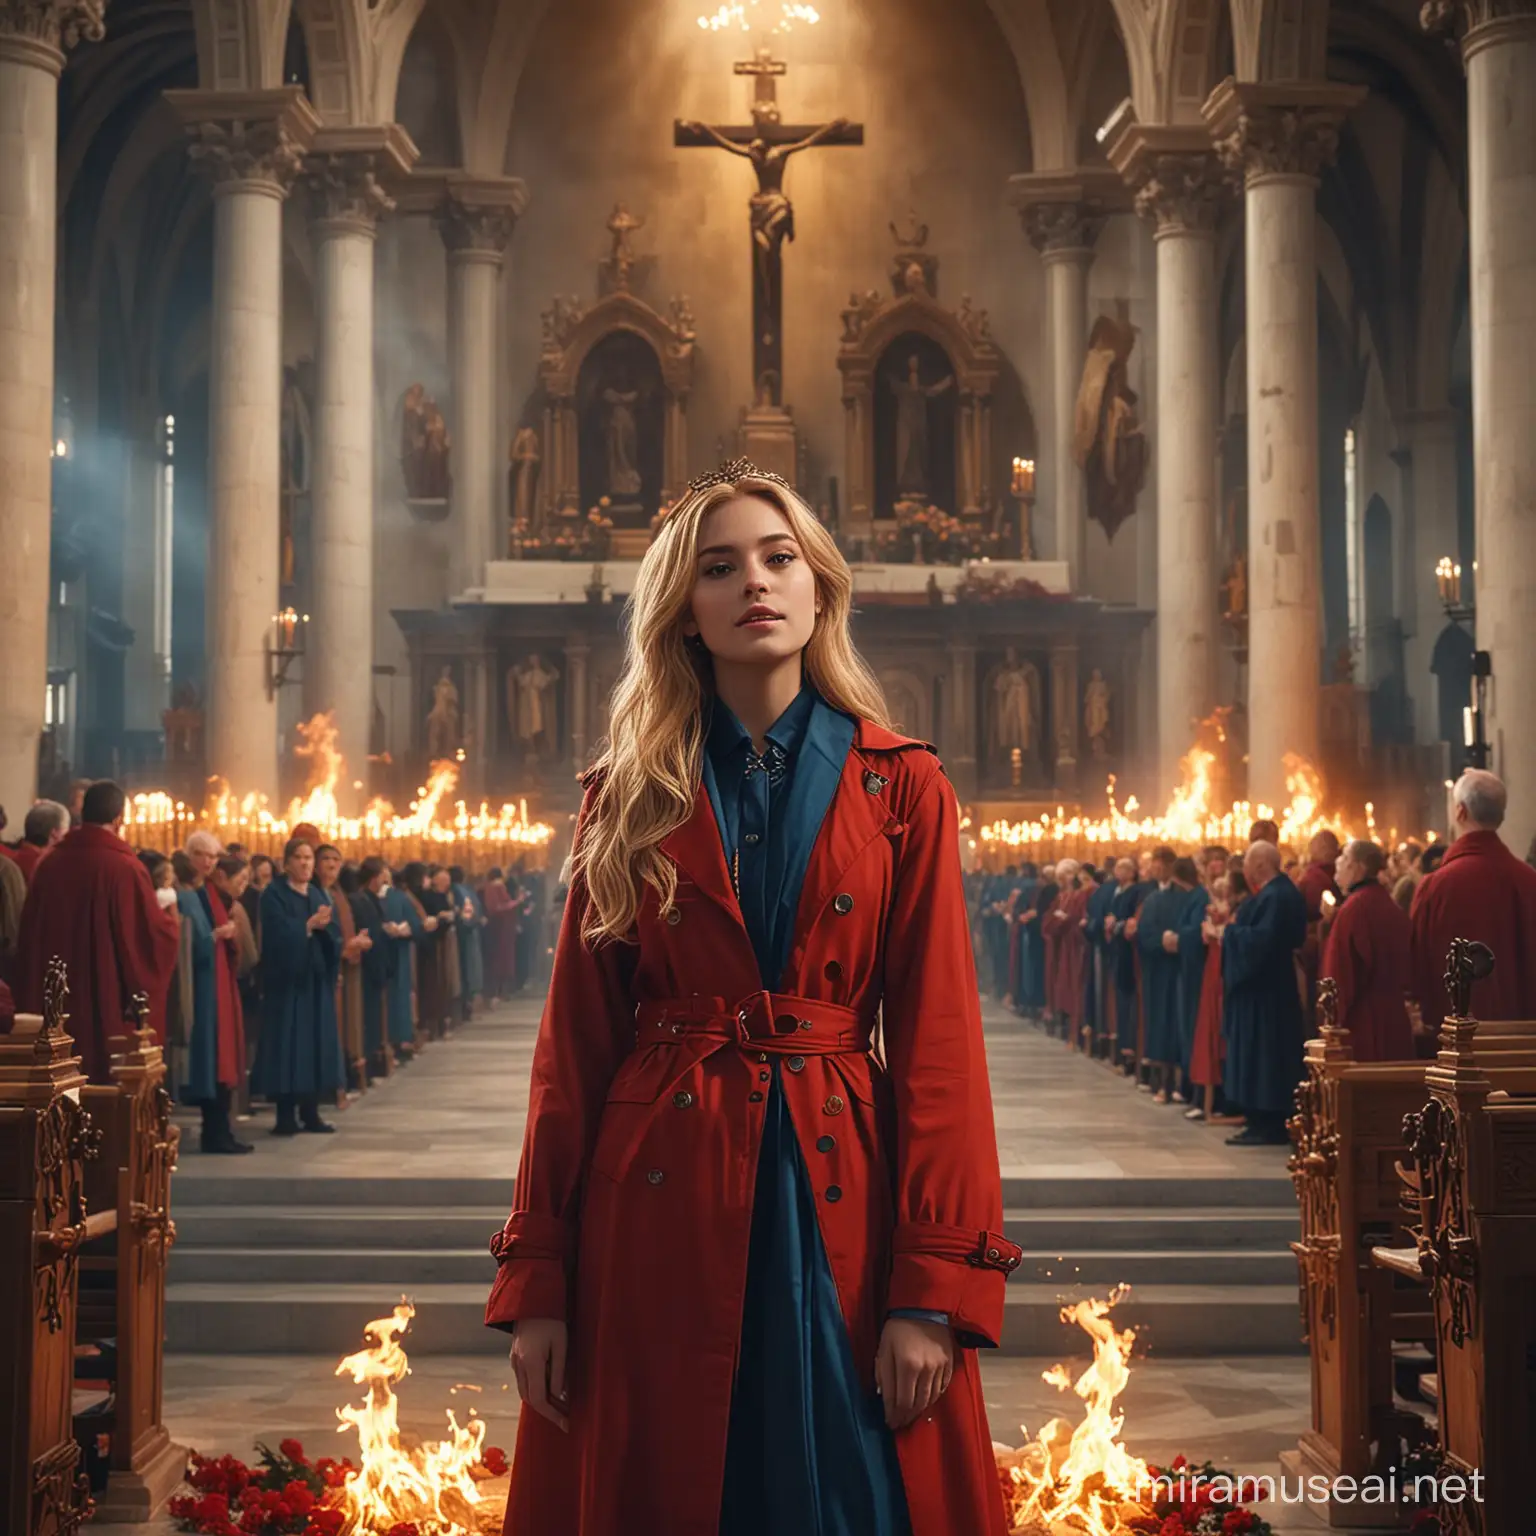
917	394
613	432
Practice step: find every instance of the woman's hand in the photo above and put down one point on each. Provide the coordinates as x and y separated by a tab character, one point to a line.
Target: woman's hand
538	1362
912	1367
318	919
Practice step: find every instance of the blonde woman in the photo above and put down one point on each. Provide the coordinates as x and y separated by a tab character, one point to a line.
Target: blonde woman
749	1263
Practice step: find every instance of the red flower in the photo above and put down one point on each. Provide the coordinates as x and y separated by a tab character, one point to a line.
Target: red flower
293	1450
1179	1463
1173	1526
1237	1521
270	1499
403	1528
325	1522
250	1497
494	1460
252	1520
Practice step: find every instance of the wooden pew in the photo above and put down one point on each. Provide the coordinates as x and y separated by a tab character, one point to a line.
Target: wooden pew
1472	1178
1347	1138
122	1285
46	1138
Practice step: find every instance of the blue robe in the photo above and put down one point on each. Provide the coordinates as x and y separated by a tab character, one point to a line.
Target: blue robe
399	908
1160	912
1123	906
378	968
808	1450
471	960
201	1084
1096	979
1191	969
1262	1016
299	1052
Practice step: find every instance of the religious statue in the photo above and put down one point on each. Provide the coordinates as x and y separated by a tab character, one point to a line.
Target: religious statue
1108	442
621	259
295	454
525	474
1015	705
769	145
912	397
424	445
444	737
530	706
1235	589
913	270
622	438
1096	714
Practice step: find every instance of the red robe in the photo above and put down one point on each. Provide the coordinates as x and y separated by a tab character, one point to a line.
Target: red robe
1481	891
1064	967
633	1206
502	928
1369	955
92	904
1210	1048
226	971
27	856
1312	882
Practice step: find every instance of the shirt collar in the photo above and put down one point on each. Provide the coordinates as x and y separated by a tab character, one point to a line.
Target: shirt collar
729	737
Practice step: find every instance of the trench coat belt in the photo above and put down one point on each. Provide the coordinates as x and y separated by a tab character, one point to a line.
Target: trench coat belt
777	1022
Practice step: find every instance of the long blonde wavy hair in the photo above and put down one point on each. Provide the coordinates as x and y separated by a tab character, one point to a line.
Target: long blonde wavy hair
647	774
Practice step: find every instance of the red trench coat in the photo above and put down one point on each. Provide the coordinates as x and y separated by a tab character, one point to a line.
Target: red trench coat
634	1191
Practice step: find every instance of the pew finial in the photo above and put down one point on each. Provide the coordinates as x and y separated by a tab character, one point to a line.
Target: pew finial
55	999
1466	963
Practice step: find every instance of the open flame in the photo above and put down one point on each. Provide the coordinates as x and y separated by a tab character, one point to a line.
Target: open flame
326	765
431	1486
1080	1481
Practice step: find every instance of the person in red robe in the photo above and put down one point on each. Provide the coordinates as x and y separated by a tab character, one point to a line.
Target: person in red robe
1209	1052
1316	882
42	832
1064	960
1480	891
91	903
502	926
1368	953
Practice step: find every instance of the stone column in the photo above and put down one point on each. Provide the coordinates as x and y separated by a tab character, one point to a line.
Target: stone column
1064	713
960	755
1428	459
252	146
1064	234
476	218
577	652
1499	49
1179	184
33	37
346	176
1279	137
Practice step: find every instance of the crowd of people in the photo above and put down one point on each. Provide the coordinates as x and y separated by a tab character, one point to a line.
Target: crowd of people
1197	977
287	983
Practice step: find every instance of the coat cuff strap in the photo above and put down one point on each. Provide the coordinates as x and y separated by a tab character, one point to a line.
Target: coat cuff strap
979	1247
530	1235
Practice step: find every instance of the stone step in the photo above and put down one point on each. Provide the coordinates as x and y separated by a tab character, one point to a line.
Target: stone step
402	1268
327	1319
1020	1192
450	1226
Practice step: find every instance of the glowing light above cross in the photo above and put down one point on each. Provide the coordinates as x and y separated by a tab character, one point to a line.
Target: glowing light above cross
744	16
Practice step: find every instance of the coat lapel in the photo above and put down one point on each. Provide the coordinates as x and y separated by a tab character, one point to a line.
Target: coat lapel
695	847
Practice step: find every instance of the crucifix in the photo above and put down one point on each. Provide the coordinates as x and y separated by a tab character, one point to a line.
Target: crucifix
768	144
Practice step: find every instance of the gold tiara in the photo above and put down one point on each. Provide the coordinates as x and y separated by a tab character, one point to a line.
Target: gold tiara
732	471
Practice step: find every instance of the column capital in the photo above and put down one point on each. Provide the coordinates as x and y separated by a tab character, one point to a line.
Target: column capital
40	32
1478	23
254	141
350	173
1174	173
476	215
1285	130
1063	212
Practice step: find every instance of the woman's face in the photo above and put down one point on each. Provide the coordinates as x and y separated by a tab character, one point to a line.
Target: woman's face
440	881
748	562
232	886
300	864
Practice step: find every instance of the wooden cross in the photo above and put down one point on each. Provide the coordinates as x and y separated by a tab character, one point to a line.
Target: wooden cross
768	144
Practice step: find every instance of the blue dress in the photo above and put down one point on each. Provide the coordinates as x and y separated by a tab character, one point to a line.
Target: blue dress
298	1054
201	1062
808	1451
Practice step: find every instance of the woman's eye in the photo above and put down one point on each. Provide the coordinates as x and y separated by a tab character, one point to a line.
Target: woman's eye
782	554
717	569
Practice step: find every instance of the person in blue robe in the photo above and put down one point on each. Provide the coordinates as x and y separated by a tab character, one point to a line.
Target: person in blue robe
1019	979
1261	1017
200	1082
1128	895
471	959
1159	917
299	1059
1191	955
808	1448
1046	893
405	932
1098	1006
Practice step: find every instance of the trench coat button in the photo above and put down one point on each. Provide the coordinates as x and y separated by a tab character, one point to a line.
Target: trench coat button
683	1099
762	1055
806	1024
834	1193
993	1254
674	917
796	1063
834	1104
825	1143
755	1097
875	782
763	1077
750	838
655	1176
832	970
843	904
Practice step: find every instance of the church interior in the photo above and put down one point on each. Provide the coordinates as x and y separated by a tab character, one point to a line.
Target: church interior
1162	368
